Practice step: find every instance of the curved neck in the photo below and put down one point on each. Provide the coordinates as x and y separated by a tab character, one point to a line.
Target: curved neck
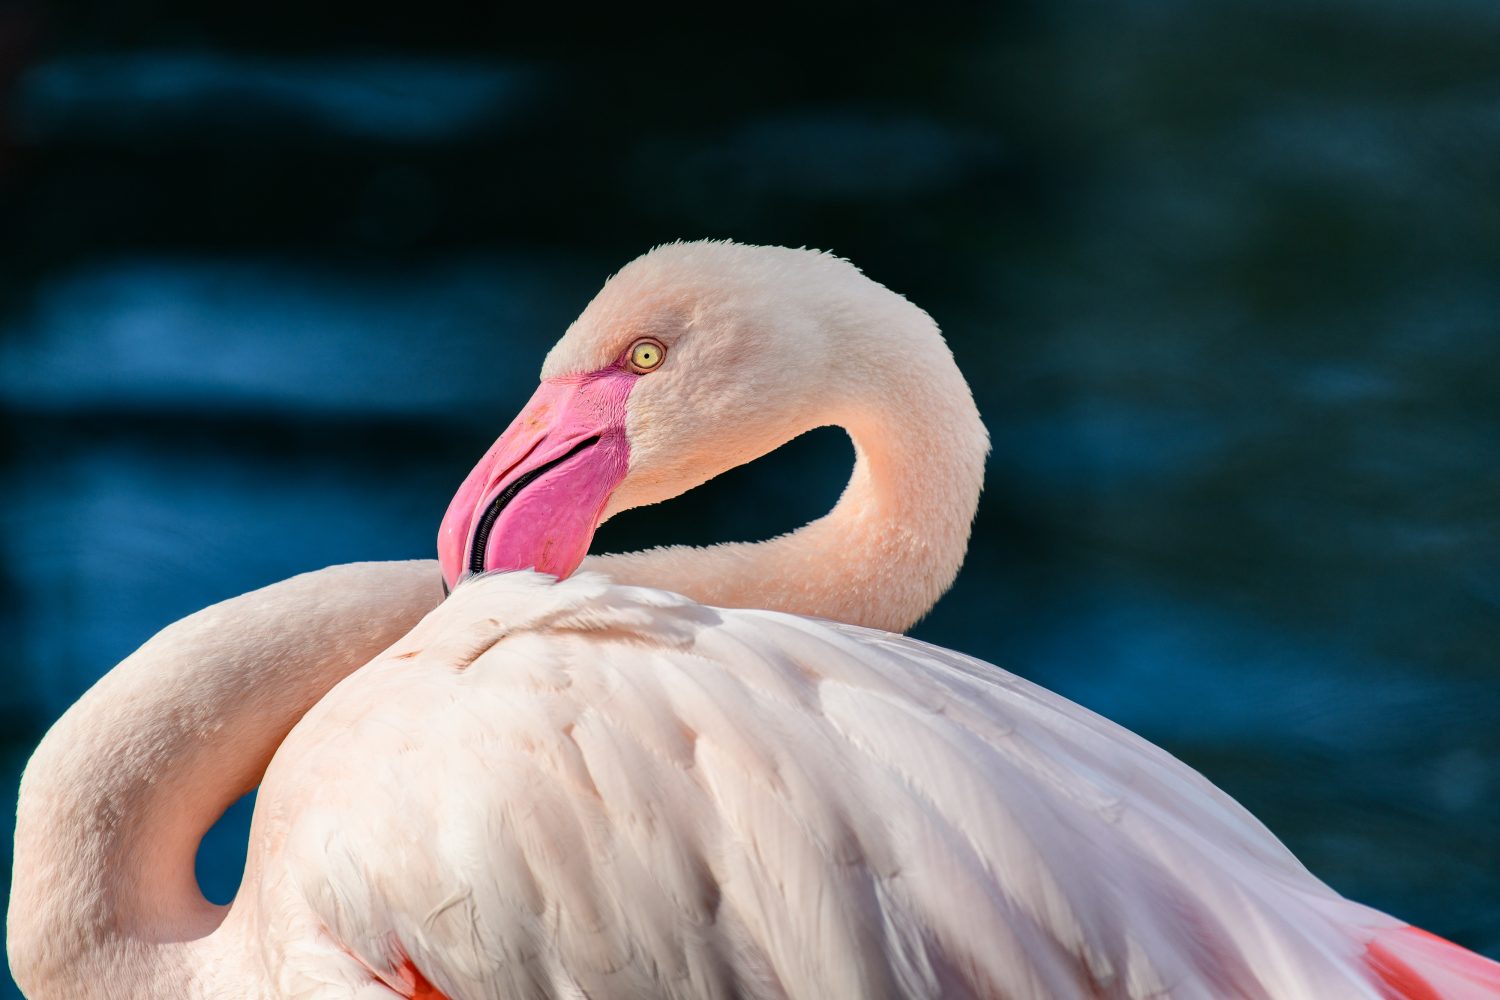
894	541
118	795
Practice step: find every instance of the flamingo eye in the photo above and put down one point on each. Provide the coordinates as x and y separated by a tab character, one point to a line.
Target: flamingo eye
646	355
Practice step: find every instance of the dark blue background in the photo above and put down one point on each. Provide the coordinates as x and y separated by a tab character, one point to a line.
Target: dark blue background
1225	278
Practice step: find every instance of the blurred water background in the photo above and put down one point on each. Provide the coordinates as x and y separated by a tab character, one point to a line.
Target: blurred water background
1225	278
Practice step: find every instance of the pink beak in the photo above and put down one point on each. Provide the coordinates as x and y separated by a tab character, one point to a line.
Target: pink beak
535	499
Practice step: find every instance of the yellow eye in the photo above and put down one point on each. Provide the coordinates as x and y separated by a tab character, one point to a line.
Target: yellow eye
646	355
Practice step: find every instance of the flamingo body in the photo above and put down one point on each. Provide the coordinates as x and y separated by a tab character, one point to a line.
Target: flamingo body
583	789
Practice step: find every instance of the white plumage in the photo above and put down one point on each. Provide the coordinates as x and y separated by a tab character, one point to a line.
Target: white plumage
632	783
581	789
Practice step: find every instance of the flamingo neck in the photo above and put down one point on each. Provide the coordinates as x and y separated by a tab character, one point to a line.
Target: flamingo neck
120	792
895	540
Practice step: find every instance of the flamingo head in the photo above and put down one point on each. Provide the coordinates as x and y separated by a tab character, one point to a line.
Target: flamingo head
693	359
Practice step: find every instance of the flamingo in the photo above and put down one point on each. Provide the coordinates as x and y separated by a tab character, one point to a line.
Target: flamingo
682	772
